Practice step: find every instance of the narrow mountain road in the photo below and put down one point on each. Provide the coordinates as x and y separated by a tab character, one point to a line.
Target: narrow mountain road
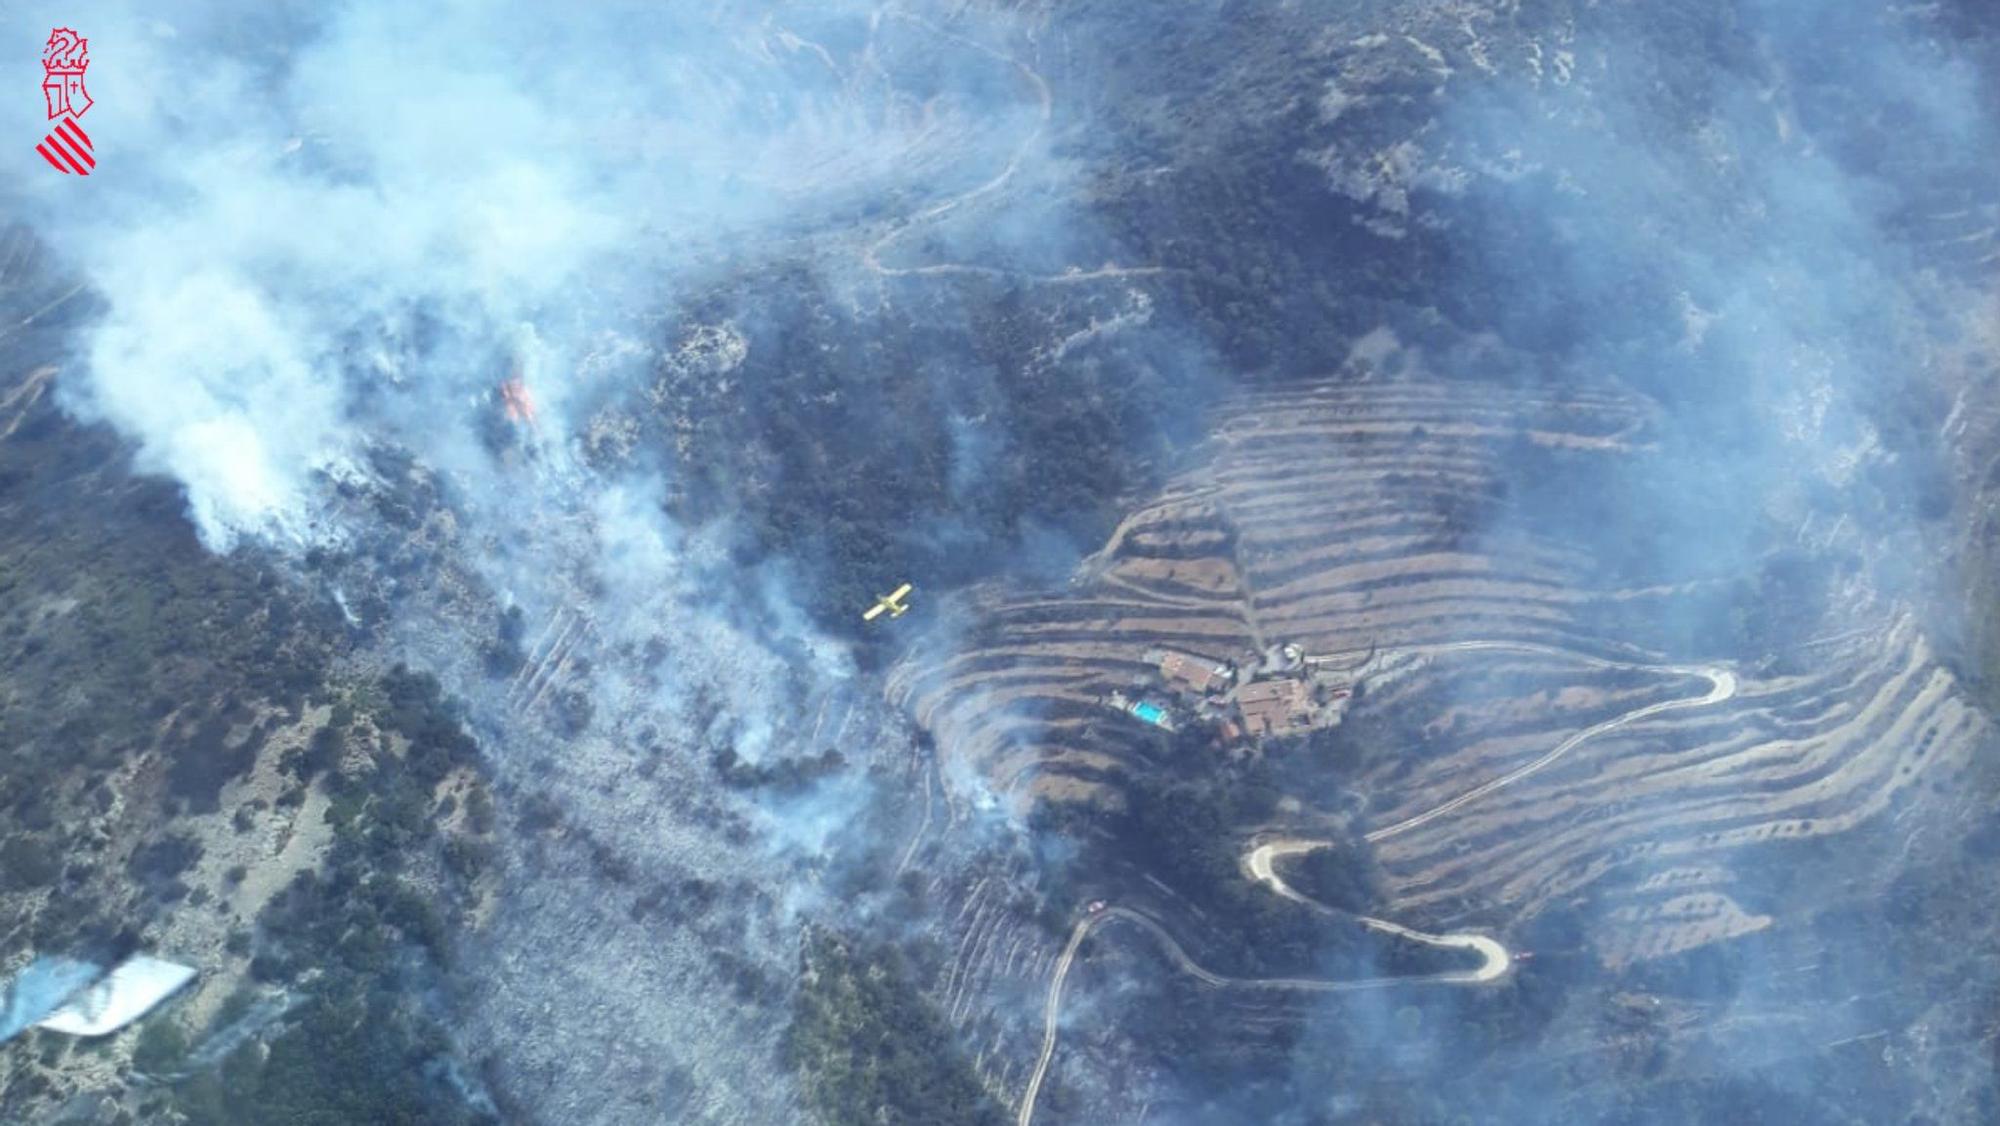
871	253
1493	957
1260	864
1722	686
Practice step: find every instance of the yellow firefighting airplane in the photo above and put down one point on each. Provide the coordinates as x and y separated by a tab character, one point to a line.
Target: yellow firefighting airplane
890	602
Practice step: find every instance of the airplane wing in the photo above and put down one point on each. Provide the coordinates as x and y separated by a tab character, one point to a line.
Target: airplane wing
874	611
900	592
121	997
41	988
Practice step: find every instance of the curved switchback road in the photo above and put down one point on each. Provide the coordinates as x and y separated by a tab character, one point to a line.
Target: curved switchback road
1259	864
871	254
1493	960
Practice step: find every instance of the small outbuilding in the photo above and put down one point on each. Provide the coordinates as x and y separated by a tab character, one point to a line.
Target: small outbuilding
1198	675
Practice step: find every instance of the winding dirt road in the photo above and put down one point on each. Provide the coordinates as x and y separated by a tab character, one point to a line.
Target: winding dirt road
1045	103
1493	957
871	254
1260	864
1722	685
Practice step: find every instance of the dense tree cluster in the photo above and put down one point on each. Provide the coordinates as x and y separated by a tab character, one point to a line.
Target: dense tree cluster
862	450
122	637
869	1050
343	1059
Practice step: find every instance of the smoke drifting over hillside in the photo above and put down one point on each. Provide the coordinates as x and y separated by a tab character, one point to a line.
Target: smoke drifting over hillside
791	299
318	225
1723	207
324	237
1710	213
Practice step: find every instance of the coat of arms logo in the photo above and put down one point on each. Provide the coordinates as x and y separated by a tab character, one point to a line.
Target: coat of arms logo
66	147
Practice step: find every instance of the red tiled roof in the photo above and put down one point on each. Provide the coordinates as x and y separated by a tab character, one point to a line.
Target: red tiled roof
1198	673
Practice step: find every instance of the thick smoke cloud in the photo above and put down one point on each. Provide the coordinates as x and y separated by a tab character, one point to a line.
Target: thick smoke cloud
322	238
317	224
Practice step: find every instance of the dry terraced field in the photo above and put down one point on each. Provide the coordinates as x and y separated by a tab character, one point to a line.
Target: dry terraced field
1334	516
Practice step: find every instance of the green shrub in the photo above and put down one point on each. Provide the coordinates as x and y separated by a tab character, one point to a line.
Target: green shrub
161	1047
27	863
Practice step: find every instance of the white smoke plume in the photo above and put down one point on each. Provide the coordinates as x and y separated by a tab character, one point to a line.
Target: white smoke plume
319	233
298	211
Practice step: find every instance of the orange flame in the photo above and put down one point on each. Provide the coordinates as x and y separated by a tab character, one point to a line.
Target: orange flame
520	405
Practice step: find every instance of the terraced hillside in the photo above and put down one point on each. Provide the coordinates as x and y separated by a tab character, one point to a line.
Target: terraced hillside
1654	811
1556	757
1340	517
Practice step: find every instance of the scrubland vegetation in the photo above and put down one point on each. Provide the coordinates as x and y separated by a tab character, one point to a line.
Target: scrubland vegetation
124	638
869	1049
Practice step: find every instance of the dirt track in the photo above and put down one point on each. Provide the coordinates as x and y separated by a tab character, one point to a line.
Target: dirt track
1494	960
1722	687
1259	864
871	254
